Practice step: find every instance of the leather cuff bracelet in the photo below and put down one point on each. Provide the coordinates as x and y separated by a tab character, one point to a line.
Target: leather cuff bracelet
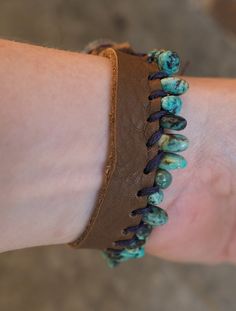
145	107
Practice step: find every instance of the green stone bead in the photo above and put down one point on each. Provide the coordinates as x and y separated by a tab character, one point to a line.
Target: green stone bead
172	104
163	178
153	55
172	161
156	217
114	259
168	62
143	232
173	122
173	142
132	253
174	86
155	198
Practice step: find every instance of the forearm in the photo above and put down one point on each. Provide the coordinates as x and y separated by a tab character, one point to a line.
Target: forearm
53	140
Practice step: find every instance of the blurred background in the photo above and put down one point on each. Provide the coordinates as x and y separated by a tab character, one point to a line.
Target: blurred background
59	278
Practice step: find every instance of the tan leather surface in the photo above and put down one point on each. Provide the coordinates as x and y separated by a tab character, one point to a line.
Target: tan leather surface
97	47
128	154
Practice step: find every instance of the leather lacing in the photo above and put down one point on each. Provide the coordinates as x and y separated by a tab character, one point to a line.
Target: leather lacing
152	164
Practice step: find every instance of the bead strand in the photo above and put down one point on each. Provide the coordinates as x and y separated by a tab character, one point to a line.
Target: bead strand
168	63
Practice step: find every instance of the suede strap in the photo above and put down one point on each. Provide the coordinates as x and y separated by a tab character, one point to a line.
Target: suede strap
127	154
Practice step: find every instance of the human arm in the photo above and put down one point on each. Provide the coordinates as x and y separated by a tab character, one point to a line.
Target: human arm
53	142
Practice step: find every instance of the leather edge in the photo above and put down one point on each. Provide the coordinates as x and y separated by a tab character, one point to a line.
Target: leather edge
111	157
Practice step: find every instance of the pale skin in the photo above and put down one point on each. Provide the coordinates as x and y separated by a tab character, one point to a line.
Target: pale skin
54	139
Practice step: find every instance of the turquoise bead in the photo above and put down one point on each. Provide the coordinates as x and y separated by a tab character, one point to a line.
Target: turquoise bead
168	62
172	161
155	198
163	178
153	55
114	259
174	86
156	217
173	142
143	232
172	104
173	122
132	253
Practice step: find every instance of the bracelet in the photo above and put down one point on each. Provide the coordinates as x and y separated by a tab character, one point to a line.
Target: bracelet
145	107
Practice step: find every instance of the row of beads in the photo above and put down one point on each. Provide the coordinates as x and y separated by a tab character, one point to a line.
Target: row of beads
153	216
169	63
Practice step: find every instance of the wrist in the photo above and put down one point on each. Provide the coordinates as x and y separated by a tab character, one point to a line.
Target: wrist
201	200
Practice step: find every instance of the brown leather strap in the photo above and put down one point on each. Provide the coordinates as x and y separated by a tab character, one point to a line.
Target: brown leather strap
128	154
